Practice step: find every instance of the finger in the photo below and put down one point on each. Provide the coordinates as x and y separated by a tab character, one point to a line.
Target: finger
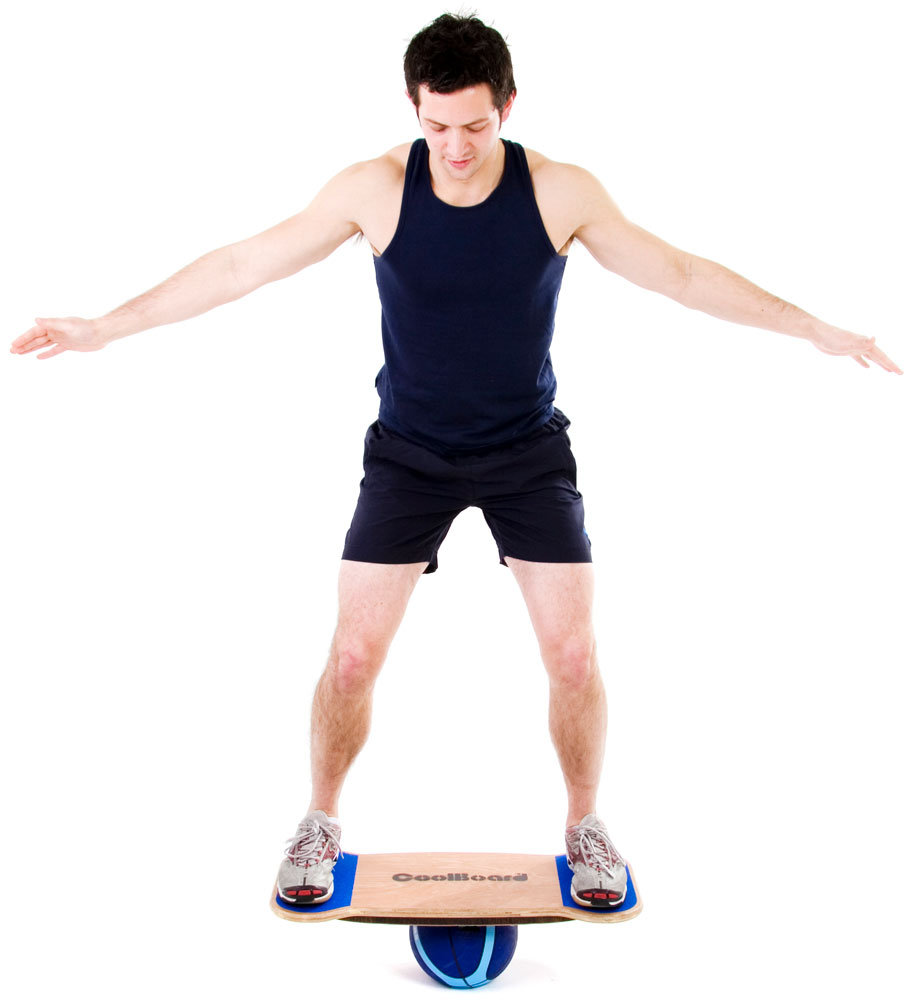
57	349
34	345
860	360
27	337
23	337
880	358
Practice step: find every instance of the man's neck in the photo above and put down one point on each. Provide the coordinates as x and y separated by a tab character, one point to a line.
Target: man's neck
473	190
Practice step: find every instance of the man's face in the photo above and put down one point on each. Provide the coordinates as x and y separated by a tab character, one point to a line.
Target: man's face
461	129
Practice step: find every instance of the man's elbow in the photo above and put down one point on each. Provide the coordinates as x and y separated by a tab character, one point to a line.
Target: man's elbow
256	262
678	278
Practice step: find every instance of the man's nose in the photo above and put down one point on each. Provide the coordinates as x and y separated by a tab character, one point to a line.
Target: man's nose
456	143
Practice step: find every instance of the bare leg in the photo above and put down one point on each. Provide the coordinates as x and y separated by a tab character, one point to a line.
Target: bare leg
559	597
372	602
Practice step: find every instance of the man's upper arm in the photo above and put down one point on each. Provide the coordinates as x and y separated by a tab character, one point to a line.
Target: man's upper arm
305	238
620	245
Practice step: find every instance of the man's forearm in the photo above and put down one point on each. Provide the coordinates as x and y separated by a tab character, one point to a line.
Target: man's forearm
209	281
716	290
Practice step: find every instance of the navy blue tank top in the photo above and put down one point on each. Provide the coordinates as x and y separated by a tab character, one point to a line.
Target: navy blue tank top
468	298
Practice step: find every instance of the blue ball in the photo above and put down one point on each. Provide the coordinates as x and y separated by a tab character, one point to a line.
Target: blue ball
464	957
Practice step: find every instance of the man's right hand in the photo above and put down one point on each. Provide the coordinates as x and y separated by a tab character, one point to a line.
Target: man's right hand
69	334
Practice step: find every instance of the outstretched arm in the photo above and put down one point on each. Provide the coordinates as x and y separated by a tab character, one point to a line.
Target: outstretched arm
646	260
217	277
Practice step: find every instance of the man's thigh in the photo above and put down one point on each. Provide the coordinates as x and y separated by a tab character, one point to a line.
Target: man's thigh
373	599
559	598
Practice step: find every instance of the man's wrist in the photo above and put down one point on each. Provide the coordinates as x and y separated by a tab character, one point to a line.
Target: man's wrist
812	329
112	327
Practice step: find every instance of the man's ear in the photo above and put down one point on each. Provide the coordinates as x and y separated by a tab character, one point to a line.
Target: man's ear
508	107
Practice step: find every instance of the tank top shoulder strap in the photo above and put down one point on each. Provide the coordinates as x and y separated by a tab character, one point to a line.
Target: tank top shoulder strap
416	182
516	169
416	167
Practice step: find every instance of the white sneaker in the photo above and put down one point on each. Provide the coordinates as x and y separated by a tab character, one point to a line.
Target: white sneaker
600	873
306	875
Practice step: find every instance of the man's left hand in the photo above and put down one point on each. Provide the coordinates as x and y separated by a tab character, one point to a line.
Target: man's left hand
833	340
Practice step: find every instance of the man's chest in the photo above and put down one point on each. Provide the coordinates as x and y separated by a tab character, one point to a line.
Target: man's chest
381	217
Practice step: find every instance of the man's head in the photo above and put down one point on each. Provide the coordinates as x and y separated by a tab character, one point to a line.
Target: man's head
456	52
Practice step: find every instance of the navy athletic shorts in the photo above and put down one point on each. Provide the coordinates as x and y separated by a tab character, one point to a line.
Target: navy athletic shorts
527	491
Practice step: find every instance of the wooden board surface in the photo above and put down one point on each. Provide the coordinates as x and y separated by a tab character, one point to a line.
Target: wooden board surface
454	888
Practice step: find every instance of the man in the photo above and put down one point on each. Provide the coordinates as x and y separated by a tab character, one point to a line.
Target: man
470	236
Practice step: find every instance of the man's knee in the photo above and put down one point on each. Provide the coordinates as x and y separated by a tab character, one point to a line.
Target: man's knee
355	664
570	659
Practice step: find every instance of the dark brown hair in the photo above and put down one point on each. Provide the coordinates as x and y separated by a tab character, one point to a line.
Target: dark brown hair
457	51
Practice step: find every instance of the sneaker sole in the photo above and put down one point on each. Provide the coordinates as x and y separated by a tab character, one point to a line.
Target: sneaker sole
598	898
305	895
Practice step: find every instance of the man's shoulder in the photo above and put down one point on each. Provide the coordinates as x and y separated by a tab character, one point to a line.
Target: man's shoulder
569	197
368	194
553	174
388	168
362	186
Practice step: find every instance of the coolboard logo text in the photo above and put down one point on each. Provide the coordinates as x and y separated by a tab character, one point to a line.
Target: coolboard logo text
460	877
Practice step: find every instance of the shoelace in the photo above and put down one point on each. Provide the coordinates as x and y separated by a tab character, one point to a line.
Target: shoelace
312	845
597	850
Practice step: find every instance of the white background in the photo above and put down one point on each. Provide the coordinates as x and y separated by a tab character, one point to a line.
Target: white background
174	506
